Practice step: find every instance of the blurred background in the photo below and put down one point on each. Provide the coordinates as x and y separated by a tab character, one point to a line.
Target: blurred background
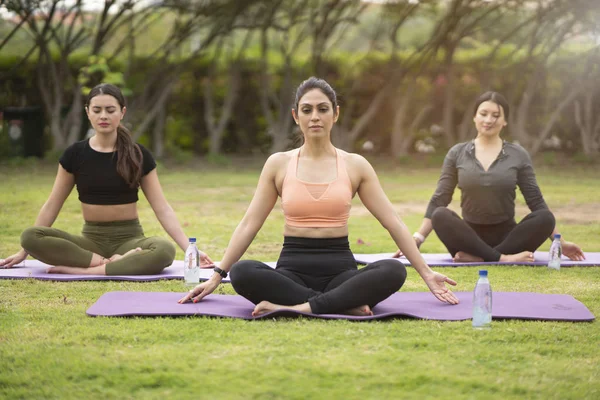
217	78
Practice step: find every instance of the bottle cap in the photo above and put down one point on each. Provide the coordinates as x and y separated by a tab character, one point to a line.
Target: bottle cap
483	272
192	240
557	236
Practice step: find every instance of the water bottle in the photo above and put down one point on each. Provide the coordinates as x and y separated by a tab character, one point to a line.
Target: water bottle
555	253
482	302
191	264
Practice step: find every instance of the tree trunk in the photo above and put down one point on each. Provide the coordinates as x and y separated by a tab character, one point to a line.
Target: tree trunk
537	144
150	115
448	113
588	130
158	133
216	130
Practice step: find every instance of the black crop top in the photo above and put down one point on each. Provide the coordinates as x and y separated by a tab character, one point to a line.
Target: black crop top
96	176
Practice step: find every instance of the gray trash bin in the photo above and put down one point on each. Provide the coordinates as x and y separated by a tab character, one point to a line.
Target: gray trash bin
25	129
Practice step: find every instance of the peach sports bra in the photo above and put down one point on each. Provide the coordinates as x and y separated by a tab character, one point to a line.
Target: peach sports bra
316	205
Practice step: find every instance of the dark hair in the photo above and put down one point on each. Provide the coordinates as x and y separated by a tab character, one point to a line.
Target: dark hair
494	97
129	154
316	83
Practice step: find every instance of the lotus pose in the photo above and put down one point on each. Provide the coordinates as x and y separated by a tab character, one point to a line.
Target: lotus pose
488	170
316	271
108	168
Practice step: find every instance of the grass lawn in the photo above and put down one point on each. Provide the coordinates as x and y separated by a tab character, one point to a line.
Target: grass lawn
50	349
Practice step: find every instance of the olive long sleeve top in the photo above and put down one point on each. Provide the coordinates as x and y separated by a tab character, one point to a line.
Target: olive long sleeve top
487	197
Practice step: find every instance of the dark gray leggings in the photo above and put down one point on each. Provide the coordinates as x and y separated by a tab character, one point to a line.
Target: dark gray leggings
491	241
56	247
322	272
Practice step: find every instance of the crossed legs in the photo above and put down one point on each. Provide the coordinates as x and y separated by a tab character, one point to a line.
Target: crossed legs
507	241
354	291
71	254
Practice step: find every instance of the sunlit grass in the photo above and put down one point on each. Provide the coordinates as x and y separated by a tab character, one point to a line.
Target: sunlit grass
49	348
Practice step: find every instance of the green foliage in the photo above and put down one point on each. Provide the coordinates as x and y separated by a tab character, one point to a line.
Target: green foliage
218	159
582	158
98	71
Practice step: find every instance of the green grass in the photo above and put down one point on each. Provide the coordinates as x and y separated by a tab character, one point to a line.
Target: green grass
50	349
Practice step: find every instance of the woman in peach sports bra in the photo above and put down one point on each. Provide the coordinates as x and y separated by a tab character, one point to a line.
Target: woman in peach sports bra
316	271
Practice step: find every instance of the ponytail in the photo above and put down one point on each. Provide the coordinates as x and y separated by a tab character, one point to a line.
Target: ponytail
129	158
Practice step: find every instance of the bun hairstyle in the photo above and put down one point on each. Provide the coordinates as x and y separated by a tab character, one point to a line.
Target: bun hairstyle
129	154
316	83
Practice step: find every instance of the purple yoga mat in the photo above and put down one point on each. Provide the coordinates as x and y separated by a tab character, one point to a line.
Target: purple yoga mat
445	260
506	305
37	270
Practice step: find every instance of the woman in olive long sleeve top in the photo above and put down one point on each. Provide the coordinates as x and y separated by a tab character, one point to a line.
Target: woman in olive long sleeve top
488	170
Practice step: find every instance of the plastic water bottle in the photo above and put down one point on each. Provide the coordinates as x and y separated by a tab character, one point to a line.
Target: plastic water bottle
482	302
555	253
191	264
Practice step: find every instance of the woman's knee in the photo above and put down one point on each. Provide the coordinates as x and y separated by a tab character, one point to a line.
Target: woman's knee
30	239
441	216
547	220
241	271
394	273
164	251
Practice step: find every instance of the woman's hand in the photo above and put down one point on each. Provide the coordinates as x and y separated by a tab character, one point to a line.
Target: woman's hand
202	290
399	252
437	284
14	259
572	251
205	261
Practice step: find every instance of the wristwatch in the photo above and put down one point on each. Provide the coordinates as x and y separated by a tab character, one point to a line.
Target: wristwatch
220	272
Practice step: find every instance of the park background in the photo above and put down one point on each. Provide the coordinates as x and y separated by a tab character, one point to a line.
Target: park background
210	86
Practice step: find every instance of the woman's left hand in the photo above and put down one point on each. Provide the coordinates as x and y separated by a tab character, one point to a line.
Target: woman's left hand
572	251
437	284
205	261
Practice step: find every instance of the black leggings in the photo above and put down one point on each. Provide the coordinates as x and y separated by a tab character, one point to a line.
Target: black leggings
491	241
322	272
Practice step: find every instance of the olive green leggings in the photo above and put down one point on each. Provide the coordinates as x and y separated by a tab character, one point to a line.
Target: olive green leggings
56	247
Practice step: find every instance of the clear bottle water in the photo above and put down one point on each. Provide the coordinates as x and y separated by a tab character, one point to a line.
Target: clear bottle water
482	302
555	253
191	264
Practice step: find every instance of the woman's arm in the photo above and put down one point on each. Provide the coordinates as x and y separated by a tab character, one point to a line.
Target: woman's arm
530	189
440	198
373	197
63	185
261	205
259	209
162	209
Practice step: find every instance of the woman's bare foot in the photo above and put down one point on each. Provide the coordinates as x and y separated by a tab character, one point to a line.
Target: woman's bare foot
99	270
461	256
266	306
361	311
526	256
116	257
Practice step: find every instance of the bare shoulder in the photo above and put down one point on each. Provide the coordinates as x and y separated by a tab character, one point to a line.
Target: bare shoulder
276	166
278	160
358	168
355	162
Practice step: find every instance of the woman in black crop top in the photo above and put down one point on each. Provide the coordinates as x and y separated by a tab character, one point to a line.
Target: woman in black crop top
107	169
316	271
488	170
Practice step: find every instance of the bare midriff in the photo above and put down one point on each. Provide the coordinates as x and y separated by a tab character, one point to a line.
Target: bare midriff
317	233
107	213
